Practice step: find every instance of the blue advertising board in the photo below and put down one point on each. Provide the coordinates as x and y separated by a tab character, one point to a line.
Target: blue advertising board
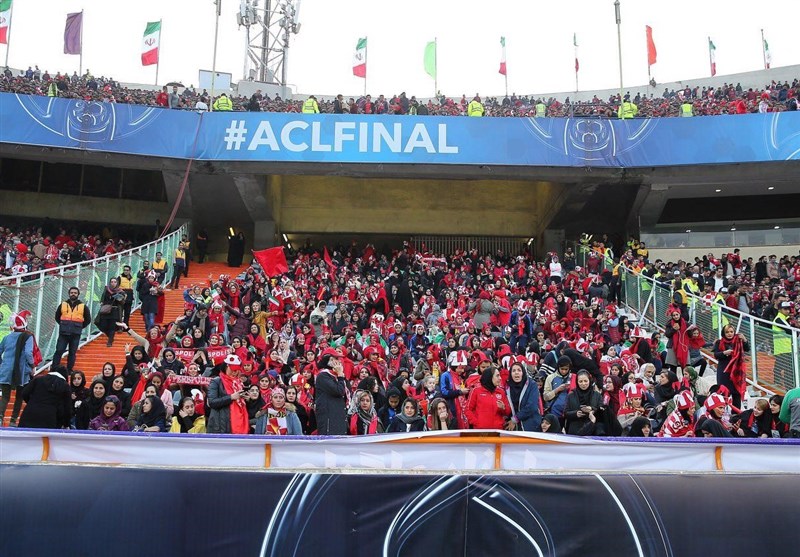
345	138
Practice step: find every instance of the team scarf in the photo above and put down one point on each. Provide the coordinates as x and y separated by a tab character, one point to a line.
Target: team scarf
239	421
735	367
276	421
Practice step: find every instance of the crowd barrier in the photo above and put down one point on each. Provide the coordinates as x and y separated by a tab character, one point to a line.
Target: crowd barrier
41	292
650	299
368	139
476	450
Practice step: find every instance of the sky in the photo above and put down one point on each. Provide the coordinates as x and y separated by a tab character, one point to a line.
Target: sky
538	35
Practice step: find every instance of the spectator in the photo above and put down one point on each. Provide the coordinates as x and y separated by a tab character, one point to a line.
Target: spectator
331	395
408	419
19	355
110	419
174	99
277	418
225	398
47	401
188	420
92	406
153	416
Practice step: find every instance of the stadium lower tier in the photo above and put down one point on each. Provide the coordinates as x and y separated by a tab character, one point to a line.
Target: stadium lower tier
208	513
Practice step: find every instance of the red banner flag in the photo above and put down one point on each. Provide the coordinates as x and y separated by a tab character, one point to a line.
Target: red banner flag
328	261
272	261
651	46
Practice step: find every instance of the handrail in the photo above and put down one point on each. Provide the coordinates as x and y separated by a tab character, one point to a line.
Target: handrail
40	291
768	371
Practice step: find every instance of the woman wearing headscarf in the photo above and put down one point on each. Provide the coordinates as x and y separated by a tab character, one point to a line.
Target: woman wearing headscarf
226	399
47	401
188	420
277	419
110	419
583	404
408	419
488	406
664	391
640	427
77	390
363	418
678	343
779	428
154	416
550	424
111	307
117	389
730	350
134	362
92	406
523	395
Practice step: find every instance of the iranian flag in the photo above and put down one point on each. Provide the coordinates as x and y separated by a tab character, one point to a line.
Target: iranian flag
712	57
767	55
503	56
360	59
5	20
150	43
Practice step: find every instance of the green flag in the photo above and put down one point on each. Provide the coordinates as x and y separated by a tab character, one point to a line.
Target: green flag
430	59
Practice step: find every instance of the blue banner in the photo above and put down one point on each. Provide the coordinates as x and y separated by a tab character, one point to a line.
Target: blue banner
345	138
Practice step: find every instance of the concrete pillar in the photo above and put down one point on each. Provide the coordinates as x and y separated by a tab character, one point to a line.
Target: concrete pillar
254	195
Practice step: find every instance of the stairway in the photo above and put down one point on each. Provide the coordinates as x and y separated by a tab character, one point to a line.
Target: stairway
93	355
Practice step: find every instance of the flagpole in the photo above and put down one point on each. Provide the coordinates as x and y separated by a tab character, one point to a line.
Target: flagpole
436	68
158	60
8	32
763	51
575	44
218	11
80	58
366	68
619	46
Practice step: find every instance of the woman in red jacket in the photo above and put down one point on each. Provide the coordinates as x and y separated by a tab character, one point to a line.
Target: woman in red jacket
488	406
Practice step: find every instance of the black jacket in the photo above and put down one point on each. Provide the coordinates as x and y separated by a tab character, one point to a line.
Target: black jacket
48	403
330	402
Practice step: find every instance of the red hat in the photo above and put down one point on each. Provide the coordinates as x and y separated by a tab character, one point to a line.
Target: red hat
233	361
330	352
457	358
19	321
477	357
715	400
636	390
684	400
370	351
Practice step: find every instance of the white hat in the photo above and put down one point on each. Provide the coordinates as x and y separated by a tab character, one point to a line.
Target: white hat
457	358
684	400
232	360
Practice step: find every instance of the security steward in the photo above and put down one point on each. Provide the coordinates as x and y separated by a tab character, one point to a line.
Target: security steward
311	106
72	317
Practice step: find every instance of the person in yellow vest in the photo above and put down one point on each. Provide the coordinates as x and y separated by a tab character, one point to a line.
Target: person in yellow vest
687	109
782	345
178	264
187	246
72	317
126	283
627	110
160	267
475	107
541	109
311	106
222	104
52	90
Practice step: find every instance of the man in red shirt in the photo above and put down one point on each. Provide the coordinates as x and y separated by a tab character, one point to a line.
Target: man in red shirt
162	99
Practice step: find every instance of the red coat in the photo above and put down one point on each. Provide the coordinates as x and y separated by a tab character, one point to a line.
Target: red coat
482	409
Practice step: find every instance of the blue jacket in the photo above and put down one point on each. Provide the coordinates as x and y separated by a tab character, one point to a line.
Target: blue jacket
527	416
8	347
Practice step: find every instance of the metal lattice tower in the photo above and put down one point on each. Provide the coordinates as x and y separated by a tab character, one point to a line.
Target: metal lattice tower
269	24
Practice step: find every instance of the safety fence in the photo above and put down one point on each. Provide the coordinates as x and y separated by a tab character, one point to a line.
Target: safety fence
509	245
41	292
773	361
475	450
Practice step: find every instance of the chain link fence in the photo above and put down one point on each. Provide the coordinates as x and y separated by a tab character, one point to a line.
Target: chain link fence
41	292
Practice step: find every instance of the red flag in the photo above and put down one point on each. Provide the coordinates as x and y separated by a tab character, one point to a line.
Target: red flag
651	46
272	260
329	261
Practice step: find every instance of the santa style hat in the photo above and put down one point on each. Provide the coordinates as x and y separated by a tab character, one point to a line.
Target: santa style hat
233	361
639	332
19	321
634	390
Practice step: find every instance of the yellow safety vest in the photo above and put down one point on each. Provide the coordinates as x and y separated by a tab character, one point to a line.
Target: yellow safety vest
125	283
310	107
627	110
223	104
474	108
541	110
74	315
781	339
686	110
159	265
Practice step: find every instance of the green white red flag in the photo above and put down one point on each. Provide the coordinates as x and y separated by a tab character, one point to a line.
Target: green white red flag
5	20
150	43
503	68
360	59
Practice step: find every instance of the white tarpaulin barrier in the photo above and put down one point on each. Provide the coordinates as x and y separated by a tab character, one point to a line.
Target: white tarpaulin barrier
431	451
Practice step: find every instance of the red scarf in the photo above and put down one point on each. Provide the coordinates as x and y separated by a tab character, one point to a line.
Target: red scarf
735	367
680	343
239	422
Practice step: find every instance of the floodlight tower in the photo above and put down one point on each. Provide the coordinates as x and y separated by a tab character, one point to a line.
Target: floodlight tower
269	24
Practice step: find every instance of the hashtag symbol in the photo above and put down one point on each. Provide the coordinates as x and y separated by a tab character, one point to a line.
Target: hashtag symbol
235	135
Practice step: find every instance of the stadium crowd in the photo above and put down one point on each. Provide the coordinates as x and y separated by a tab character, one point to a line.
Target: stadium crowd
728	99
28	249
354	342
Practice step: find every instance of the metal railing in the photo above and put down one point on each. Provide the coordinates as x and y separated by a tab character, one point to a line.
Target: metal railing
650	299
40	292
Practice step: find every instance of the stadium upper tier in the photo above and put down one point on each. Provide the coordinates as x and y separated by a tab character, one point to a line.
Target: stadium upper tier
761	91
96	126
